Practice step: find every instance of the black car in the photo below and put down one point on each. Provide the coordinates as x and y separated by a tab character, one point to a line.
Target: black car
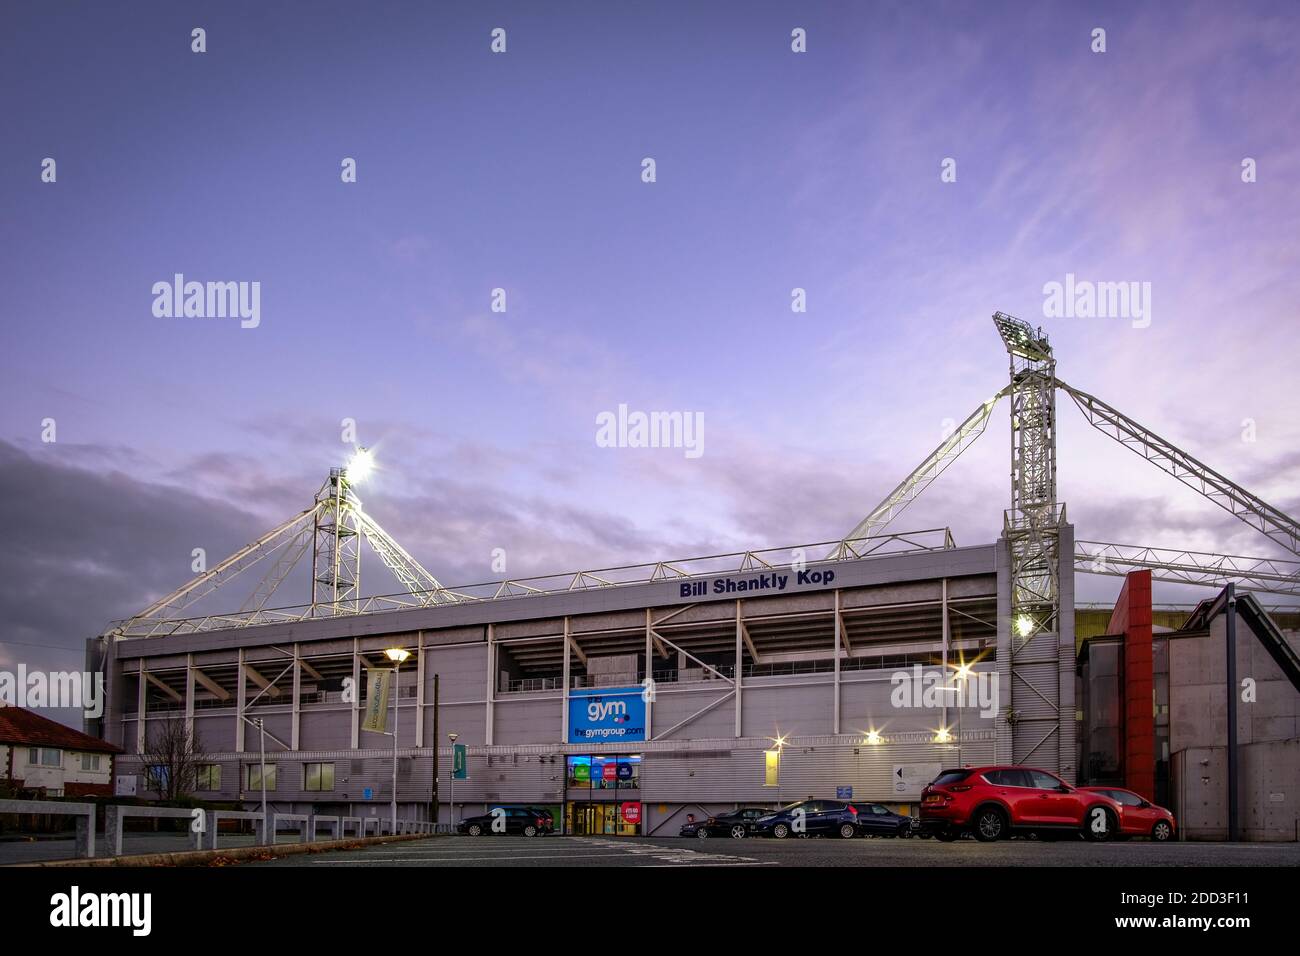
876	819
808	818
733	823
529	821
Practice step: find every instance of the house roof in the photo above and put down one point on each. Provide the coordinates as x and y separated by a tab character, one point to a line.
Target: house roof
19	726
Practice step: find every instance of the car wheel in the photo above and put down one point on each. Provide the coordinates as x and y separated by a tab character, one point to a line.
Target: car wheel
990	825
530	831
1161	831
1099	824
781	831
738	832
702	833
905	831
848	831
475	830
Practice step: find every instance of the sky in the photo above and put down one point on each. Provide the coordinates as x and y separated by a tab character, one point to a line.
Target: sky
916	168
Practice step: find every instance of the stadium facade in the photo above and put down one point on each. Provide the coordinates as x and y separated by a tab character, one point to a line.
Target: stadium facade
629	706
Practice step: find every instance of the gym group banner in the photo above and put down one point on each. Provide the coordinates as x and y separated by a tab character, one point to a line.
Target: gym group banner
606	714
378	681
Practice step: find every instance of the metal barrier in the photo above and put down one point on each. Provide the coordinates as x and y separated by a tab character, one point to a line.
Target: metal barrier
216	816
114	814
84	812
336	832
365	825
302	818
356	822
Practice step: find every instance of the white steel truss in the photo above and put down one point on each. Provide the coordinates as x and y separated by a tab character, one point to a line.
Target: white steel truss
1269	575
934	465
333	527
1230	496
932	539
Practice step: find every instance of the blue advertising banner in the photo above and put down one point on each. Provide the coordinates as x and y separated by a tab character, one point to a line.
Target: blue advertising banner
606	714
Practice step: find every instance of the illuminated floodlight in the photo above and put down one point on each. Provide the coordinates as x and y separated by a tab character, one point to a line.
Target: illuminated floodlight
361	465
873	738
1024	625
397	655
963	672
942	736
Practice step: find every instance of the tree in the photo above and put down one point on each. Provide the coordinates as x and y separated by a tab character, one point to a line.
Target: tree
173	754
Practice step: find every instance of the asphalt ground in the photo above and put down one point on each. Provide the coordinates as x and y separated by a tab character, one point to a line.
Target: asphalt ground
516	851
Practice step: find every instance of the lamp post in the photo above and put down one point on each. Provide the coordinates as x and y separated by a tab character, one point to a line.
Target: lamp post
396	655
261	738
451	777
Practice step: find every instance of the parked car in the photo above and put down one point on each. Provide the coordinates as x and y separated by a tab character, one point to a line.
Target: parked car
1138	816
808	818
876	819
733	823
529	821
994	802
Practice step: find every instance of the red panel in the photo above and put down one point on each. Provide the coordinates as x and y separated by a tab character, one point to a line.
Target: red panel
1132	618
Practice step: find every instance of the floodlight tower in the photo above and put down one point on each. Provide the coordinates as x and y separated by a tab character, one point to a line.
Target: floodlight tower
336	541
1032	524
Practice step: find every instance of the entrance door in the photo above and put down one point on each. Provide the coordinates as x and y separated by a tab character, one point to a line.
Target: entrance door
600	819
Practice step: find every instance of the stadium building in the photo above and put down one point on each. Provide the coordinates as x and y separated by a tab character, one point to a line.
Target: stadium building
628	699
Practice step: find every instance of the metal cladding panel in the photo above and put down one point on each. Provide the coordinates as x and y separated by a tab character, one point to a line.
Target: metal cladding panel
461	670
528	720
670	707
812	771
784	709
1038	699
467	720
215	733
322	727
865	705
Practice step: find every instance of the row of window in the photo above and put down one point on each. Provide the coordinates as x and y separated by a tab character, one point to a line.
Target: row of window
53	757
315	776
604	772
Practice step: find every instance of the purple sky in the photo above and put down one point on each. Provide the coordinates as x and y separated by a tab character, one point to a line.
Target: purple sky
523	171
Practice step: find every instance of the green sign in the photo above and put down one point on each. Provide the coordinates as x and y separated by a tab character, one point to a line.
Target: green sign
459	762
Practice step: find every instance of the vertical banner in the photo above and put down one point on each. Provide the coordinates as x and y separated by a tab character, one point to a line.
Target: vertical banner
771	767
378	682
459	762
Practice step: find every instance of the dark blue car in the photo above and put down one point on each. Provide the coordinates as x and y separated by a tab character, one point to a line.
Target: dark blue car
809	818
876	819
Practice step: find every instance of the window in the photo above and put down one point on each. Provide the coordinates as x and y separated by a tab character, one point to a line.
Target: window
45	756
950	776
1011	778
1043	781
579	774
207	776
253	776
1124	798
90	762
156	777
318	776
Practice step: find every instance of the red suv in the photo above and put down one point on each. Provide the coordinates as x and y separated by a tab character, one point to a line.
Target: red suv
1138	816
992	802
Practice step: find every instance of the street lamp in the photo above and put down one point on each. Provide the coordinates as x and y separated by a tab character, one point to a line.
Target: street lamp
451	778
396	655
261	728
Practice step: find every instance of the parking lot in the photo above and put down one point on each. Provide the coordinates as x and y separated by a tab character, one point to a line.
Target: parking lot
678	852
